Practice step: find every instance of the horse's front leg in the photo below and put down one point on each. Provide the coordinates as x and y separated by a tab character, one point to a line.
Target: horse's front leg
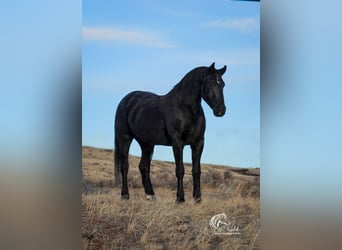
196	150
178	154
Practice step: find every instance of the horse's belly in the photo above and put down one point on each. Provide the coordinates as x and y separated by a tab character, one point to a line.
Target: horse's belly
155	136
148	126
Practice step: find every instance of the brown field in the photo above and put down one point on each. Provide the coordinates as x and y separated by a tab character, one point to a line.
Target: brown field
111	223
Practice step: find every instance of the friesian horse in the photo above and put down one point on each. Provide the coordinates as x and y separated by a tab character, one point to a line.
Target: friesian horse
175	119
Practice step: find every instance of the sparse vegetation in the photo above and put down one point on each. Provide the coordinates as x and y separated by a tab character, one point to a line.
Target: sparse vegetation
111	223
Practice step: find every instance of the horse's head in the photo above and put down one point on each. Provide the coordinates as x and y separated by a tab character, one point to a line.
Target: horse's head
212	89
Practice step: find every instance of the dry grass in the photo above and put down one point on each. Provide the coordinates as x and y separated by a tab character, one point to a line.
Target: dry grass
111	223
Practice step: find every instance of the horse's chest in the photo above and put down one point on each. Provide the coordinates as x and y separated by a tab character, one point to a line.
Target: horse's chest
192	129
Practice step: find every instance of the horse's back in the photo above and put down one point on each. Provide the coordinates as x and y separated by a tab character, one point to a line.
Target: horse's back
138	101
139	98
143	113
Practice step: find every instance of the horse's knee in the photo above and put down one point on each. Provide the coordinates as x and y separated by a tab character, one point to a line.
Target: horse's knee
196	173
180	172
124	170
143	169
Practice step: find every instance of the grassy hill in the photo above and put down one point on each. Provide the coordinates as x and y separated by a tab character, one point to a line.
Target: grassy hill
111	223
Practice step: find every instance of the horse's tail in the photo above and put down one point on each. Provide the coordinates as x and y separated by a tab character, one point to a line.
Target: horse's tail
117	179
123	139
116	163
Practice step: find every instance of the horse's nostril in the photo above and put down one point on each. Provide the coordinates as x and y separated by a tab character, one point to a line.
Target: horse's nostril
220	112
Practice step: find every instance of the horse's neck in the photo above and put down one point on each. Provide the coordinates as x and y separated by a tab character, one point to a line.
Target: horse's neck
188	91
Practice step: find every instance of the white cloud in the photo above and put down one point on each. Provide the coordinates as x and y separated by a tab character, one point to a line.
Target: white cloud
242	24
130	36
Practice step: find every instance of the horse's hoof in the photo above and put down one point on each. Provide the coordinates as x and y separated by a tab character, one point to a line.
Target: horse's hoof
180	200
151	197
125	197
197	199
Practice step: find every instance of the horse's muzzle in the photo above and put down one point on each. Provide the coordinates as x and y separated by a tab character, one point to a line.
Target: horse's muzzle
220	111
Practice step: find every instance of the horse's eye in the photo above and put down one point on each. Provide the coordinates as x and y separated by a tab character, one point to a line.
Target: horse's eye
218	80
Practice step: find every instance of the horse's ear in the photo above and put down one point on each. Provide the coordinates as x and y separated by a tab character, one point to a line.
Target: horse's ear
212	68
223	70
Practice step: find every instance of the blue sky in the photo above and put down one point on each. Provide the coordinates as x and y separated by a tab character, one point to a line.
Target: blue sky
301	94
151	45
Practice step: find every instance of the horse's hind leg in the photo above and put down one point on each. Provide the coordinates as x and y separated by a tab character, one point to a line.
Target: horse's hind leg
144	167
122	148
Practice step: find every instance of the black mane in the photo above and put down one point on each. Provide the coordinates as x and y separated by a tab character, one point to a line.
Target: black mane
190	78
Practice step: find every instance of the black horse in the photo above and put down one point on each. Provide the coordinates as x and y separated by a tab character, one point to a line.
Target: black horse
175	119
